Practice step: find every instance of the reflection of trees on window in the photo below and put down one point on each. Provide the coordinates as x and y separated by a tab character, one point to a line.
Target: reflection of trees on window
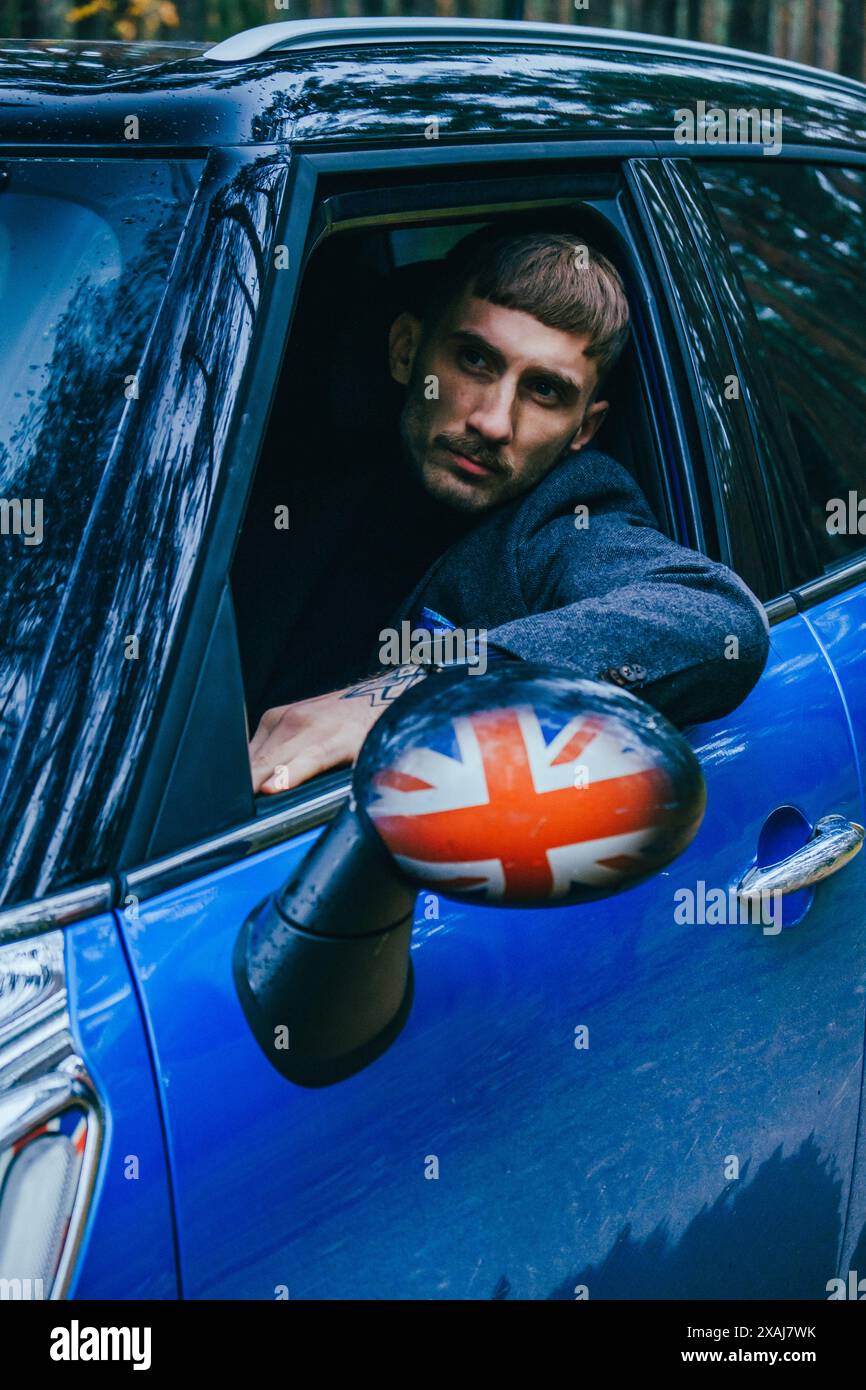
797	235
59	447
143	516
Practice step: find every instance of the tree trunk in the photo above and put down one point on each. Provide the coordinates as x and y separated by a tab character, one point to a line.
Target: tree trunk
825	53
749	26
852	39
807	39
599	14
709	21
693	19
28	19
782	26
666	17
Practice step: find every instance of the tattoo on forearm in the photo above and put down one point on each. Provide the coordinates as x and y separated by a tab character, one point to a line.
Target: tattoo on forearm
382	689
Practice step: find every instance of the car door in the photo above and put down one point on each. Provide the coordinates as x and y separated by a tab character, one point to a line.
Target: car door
624	1099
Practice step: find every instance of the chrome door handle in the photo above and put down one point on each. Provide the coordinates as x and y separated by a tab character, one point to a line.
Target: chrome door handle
834	841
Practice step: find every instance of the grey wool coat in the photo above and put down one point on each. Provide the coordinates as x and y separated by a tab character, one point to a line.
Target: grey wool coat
611	597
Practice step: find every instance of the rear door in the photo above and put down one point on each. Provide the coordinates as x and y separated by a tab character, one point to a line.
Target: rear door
631	1099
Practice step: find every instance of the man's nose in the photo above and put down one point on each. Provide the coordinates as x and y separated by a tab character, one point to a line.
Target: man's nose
493	415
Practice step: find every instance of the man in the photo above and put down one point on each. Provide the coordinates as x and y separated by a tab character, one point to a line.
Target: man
498	517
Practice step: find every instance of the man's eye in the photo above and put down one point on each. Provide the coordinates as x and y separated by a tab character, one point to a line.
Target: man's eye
546	389
471	353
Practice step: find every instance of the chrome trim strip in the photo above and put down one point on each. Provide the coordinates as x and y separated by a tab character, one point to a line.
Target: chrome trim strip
298	813
847	576
778	609
60	910
304	812
827	585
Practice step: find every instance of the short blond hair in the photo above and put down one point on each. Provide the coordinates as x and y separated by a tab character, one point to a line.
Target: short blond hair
559	279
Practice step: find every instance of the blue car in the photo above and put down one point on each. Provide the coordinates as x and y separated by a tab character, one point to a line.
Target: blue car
648	1093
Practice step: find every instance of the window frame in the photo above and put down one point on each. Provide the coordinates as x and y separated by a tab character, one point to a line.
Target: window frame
283	816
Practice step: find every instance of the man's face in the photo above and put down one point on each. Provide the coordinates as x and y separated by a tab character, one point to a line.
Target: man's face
513	400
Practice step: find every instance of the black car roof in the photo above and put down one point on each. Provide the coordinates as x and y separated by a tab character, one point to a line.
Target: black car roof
328	81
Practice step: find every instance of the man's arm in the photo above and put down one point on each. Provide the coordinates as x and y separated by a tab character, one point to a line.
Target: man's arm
614	600
619	601
296	742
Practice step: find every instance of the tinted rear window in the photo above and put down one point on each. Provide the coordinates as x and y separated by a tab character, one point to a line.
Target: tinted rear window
798	233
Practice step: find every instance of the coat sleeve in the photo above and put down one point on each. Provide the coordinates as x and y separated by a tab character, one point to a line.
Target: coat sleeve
610	596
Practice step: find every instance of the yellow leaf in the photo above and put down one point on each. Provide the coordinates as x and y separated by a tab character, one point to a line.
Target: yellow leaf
85	11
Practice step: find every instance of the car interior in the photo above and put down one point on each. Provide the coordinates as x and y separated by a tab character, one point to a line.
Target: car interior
335	392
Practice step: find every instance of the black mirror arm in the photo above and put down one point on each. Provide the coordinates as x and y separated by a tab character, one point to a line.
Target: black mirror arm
322	970
347	885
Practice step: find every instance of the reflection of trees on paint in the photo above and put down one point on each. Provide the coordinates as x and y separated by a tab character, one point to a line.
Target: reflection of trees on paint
751	1243
59	448
824	33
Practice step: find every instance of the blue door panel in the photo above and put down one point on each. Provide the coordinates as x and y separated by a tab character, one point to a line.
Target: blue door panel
711	1048
128	1250
840	627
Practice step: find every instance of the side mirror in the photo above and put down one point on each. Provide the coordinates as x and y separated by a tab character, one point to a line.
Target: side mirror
522	787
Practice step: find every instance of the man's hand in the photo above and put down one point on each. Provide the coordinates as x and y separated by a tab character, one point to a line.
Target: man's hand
296	742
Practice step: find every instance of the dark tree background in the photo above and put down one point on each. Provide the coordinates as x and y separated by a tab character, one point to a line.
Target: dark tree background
825	33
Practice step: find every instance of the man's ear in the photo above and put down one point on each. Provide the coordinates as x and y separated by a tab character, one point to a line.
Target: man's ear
403	340
592	421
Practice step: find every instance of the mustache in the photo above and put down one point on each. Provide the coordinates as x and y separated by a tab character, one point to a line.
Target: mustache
489	458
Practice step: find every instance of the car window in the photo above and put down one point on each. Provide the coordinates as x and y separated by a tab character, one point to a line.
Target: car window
300	644
85	248
797	233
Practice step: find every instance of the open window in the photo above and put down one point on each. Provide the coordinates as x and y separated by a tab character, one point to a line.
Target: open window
336	407
370	253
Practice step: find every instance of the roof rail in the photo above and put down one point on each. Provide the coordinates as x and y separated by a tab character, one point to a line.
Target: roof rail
303	33
325	33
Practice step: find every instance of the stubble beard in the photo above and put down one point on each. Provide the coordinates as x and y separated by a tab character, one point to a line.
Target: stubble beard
442	486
